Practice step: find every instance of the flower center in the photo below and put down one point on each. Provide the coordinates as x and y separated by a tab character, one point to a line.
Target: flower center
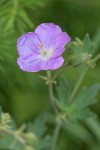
45	54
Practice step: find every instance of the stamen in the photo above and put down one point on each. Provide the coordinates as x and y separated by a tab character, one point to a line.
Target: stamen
45	54
40	45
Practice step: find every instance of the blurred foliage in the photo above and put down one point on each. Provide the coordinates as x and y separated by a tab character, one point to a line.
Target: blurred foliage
12	138
77	17
23	94
13	14
14	82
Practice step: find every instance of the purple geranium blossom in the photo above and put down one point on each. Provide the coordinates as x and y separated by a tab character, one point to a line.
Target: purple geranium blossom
42	49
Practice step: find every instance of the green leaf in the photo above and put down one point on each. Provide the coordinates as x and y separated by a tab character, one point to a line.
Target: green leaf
88	45
38	126
80	114
44	144
78	108
63	93
86	97
9	142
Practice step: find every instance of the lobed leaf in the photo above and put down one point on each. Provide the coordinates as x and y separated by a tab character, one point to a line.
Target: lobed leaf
78	108
38	126
63	93
86	97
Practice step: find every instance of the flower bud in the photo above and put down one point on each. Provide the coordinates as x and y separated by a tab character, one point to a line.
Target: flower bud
5	119
30	138
81	58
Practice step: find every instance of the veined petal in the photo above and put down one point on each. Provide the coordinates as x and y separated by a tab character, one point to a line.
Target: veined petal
28	44
52	64
29	64
47	33
58	44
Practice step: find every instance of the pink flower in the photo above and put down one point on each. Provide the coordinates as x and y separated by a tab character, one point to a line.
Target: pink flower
42	49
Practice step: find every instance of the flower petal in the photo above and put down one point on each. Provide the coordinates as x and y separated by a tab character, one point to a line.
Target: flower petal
28	44
29	64
58	44
52	64
47	33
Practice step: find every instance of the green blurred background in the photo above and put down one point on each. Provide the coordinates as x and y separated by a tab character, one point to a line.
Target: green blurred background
23	94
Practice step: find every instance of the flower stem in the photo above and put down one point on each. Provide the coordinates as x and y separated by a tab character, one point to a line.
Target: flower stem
81	78
97	57
50	90
78	83
58	121
56	133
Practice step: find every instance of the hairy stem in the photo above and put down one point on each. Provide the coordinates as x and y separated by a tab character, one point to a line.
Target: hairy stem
78	83
58	121
50	90
56	133
97	57
81	78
